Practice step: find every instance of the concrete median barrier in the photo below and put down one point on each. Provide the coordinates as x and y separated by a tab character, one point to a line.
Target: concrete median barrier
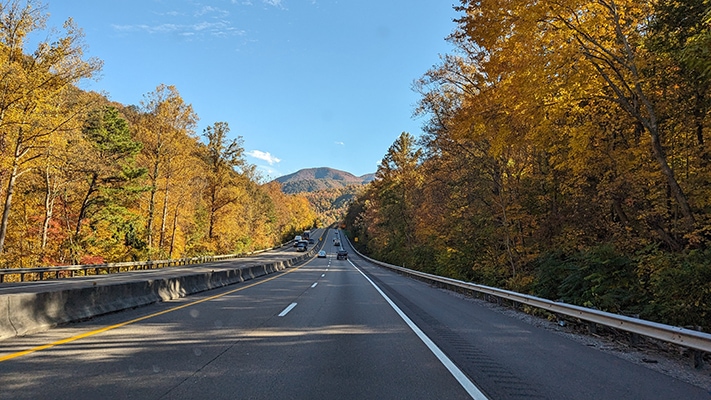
27	313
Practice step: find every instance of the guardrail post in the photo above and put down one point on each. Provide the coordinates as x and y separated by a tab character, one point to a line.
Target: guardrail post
698	359
697	355
634	339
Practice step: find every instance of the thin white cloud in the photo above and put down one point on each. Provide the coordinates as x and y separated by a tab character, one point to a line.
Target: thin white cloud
340	143
211	10
275	3
220	28
208	20
264	156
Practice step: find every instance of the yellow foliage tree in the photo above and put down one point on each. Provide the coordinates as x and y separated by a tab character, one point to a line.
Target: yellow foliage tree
33	92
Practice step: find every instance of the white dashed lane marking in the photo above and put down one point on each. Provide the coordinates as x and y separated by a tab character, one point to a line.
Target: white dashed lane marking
287	309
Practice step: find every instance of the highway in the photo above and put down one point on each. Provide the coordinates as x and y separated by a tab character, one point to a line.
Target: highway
325	329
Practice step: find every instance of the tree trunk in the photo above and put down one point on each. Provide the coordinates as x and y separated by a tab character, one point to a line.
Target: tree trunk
8	204
152	205
161	240
49	197
47	212
213	211
175	228
676	190
85	204
14	174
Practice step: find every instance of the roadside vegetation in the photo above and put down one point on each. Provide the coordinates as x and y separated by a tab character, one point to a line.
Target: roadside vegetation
566	155
87	180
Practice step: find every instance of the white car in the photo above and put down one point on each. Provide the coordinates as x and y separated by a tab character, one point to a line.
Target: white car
322	254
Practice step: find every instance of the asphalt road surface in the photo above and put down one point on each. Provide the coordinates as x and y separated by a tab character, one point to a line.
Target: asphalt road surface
327	329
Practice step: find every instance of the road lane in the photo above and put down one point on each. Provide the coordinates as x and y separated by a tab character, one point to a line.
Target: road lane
510	359
341	340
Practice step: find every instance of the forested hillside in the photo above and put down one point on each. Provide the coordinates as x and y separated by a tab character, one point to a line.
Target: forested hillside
328	190
331	204
565	155
86	180
317	179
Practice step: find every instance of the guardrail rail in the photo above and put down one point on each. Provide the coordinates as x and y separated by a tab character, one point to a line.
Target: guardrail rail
70	271
698	341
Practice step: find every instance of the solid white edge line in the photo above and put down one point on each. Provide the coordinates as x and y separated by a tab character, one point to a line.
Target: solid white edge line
287	309
467	384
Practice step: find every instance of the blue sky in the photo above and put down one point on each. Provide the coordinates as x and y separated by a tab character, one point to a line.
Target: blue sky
306	83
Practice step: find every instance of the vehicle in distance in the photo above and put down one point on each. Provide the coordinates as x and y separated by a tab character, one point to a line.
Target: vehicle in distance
300	247
337	243
297	239
322	254
311	241
342	255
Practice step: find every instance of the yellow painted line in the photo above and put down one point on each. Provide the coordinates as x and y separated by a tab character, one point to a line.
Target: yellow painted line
133	321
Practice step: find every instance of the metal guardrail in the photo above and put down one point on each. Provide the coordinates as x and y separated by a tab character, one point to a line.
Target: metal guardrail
680	336
69	271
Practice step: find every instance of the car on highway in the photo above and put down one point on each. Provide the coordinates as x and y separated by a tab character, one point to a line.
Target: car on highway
300	247
342	255
322	254
311	241
337	243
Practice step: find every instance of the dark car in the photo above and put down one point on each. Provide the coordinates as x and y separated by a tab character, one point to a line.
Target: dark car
342	255
300	247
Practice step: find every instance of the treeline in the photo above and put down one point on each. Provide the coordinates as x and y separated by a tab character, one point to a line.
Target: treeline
565	155
331	204
85	180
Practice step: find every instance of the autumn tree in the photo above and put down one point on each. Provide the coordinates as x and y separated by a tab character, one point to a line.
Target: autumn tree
32	91
84	178
394	191
564	149
110	176
223	158
293	213
163	124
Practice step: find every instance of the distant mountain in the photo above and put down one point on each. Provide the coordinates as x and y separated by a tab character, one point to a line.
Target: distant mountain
317	179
